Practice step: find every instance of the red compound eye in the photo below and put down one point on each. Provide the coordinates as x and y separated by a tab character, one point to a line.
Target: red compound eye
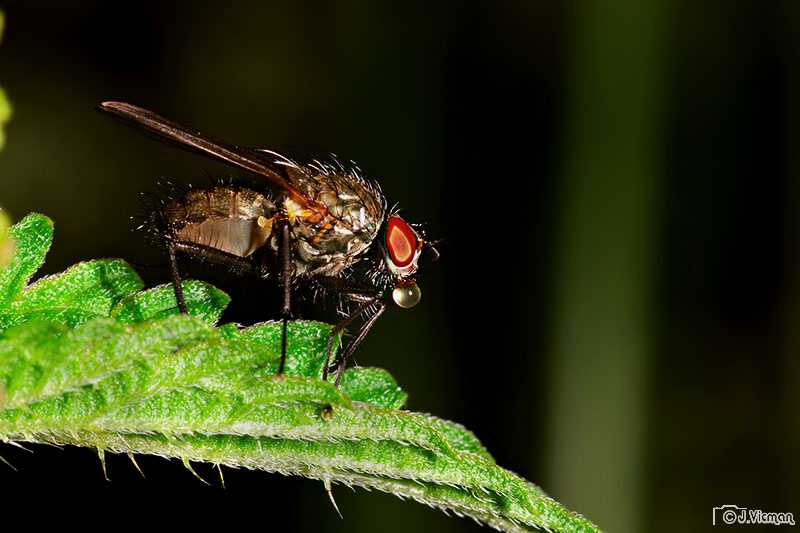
401	241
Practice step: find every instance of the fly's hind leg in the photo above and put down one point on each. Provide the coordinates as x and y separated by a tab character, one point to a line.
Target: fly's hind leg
204	253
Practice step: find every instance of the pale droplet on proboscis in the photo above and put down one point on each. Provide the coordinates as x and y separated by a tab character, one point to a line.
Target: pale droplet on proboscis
407	295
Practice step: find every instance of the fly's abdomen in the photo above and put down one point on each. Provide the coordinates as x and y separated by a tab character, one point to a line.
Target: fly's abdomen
233	220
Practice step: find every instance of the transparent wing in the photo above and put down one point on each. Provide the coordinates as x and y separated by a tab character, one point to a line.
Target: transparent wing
191	139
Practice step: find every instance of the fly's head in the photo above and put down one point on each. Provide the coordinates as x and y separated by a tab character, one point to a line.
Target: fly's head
401	246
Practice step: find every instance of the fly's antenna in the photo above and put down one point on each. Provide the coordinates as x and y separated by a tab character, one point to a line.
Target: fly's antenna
430	249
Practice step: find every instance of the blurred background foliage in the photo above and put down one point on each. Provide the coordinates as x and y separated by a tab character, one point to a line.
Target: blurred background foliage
616	306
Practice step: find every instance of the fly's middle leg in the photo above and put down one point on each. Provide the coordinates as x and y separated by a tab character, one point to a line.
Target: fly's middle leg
370	306
285	254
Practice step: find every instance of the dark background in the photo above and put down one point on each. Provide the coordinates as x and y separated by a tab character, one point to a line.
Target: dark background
615	309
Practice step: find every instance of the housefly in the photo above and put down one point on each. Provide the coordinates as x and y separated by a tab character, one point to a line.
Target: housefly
308	222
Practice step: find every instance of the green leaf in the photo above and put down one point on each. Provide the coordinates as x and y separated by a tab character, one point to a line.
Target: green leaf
202	300
40	359
6	244
373	385
5	106
5	114
82	292
460	437
304	341
88	358
32	237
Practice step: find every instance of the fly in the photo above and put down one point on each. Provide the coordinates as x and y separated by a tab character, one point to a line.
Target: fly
309	222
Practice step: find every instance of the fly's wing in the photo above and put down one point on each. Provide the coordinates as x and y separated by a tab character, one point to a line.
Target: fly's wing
188	138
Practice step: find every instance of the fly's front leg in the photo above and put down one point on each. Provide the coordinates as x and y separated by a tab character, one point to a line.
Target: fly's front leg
368	297
380	306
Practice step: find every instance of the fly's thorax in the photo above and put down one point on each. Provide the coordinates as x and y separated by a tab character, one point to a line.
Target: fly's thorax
235	220
334	231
